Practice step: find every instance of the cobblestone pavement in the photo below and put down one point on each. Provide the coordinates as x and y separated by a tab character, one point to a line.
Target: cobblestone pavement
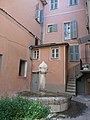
79	110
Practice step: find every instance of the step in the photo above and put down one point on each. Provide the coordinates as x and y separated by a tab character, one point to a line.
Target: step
70	90
71	81
71	87
71	84
70	93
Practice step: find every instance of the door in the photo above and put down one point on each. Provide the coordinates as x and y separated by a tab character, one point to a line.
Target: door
88	53
80	86
35	81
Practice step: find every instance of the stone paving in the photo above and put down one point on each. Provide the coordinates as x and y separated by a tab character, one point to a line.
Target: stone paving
79	110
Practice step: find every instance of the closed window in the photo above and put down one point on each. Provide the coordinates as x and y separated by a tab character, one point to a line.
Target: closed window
70	30
0	61
36	54
54	53
73	2
37	13
53	4
23	68
52	28
74	53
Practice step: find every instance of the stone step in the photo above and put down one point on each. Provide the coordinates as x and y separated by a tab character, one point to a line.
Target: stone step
72	81
71	87
71	93
71	84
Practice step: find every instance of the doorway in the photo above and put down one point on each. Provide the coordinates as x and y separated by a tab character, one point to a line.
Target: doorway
35	81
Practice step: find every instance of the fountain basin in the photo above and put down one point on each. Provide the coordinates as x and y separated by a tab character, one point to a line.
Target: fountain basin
58	102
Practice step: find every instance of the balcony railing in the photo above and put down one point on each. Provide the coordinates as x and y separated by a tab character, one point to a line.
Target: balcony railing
85	65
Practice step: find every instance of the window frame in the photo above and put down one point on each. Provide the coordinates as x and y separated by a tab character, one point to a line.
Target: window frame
23	65
72	2
53	4
54	55
52	28
73	30
36	54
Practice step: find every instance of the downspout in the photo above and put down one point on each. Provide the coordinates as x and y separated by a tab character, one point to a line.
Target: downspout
30	83
65	66
42	26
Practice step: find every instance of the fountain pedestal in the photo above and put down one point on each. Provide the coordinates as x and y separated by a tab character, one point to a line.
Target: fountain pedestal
43	68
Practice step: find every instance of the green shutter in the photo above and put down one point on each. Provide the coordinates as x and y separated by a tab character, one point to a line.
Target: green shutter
74	29
74	53
71	53
54	27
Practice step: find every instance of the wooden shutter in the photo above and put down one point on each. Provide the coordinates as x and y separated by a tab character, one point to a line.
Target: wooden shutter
37	13
54	27
74	53
74	29
71	49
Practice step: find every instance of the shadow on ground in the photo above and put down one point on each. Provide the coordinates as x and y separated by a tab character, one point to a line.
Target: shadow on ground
76	109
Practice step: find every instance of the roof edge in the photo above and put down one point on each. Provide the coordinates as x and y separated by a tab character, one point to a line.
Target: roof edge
48	45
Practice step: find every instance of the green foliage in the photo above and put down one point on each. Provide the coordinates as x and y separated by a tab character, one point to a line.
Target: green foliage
22	109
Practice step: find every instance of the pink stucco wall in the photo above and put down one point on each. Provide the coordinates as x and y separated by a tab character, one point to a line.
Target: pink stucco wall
56	75
15	42
64	13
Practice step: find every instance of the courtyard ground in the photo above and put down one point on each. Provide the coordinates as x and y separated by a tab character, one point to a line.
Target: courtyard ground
79	109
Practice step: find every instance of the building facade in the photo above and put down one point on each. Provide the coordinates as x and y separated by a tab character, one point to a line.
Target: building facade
20	28
48	25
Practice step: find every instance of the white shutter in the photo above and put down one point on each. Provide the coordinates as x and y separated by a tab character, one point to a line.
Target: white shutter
74	29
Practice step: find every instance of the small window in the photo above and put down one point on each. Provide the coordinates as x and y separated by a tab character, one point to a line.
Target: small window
73	2
52	28
53	4
36	41
54	53
70	30
36	54
23	68
74	53
1	61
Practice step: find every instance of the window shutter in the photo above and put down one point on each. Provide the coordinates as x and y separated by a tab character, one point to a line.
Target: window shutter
71	53
74	29
76	52
54	27
69	2
37	13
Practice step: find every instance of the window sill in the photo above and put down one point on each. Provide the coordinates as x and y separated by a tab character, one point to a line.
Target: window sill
22	77
73	5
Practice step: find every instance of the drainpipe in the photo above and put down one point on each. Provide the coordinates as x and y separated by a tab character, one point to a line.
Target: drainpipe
42	25
65	66
30	83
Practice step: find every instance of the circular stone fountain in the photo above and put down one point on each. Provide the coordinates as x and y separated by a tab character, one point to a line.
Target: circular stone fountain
58	102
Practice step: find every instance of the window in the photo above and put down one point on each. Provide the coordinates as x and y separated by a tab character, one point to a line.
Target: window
74	53
73	2
35	54
53	4
54	53
37	13
52	28
23	68
0	61
70	30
